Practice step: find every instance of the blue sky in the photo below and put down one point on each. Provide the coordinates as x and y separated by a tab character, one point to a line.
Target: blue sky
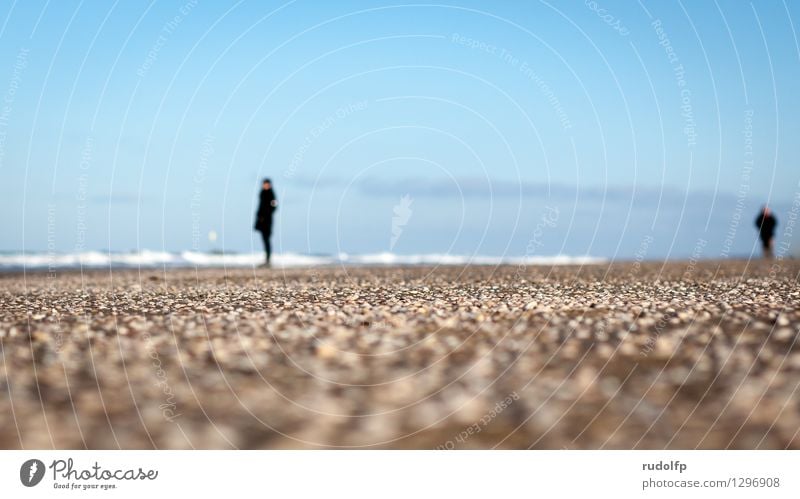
129	125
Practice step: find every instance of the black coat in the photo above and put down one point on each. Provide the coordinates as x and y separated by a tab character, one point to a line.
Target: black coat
766	226
267	205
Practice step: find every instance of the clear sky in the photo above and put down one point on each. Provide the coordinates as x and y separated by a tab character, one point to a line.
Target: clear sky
600	128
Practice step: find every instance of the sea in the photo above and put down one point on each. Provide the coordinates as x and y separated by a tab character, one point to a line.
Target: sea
19	261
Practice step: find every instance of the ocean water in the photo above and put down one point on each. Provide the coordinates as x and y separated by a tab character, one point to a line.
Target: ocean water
191	259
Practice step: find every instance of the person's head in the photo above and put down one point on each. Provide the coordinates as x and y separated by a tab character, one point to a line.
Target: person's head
266	184
765	210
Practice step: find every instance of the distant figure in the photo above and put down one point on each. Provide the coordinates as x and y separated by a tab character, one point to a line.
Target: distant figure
766	223
266	206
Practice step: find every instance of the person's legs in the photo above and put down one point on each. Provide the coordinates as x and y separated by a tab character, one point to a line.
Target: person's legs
767	243
265	235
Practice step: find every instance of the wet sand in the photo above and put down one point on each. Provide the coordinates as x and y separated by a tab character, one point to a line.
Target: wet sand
619	356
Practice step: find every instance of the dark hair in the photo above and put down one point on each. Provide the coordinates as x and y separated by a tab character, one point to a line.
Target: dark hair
266	180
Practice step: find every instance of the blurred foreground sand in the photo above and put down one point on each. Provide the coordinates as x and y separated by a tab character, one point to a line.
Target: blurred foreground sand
617	356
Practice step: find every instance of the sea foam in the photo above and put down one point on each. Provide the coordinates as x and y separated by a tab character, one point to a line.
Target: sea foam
148	258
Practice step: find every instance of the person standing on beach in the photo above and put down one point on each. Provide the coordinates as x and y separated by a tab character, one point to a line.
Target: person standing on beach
267	205
766	223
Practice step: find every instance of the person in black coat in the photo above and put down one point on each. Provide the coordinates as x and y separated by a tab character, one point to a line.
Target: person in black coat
766	223
267	205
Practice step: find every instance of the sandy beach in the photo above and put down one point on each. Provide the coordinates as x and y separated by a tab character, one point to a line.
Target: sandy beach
620	356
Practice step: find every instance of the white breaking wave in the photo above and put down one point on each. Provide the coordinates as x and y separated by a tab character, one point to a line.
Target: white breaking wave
146	258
